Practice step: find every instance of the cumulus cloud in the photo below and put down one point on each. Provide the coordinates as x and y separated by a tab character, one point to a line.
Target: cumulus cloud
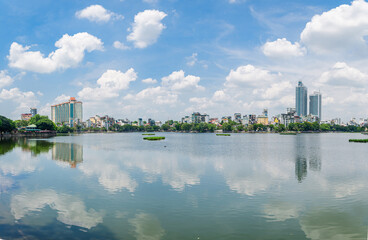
120	45
110	84
340	30
70	53
149	81
147	27
24	100
178	81
343	75
248	76
282	48
97	13
5	79
157	95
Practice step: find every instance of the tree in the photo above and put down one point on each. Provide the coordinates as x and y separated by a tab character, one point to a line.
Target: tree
6	124
226	127
46	124
211	127
165	127
36	118
186	127
240	128
325	127
280	128
64	129
21	123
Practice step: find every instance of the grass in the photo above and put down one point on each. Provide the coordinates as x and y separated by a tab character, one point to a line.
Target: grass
153	138
223	134
287	133
148	134
359	140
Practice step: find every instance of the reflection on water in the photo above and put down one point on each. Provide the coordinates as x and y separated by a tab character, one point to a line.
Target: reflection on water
307	149
68	152
70	209
188	187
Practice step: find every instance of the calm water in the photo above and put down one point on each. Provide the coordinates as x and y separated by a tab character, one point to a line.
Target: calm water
190	186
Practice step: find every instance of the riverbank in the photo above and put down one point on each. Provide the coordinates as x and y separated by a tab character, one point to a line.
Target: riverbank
39	134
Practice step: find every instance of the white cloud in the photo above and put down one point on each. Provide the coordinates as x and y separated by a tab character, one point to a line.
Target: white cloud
110	84
281	211
97	13
120	45
70	210
276	90
69	54
282	48
343	75
340	30
248	76
147	27
178	81
156	95
149	81
24	100
61	98
192	60
5	79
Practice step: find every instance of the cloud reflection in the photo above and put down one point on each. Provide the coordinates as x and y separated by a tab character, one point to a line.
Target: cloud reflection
70	209
147	227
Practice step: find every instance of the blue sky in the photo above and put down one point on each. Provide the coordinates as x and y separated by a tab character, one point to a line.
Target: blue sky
217	57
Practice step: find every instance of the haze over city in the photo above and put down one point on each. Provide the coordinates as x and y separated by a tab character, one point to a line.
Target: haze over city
167	59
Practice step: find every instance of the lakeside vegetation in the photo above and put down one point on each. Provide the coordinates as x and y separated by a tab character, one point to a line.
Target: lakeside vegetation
153	138
44	123
359	140
223	134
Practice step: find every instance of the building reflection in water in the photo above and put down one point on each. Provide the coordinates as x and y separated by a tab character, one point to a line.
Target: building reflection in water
68	152
307	149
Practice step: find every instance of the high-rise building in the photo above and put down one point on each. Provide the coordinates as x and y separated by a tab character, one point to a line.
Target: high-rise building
301	99
69	113
315	104
33	111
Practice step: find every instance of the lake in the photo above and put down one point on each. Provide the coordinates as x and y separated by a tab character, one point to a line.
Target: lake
188	186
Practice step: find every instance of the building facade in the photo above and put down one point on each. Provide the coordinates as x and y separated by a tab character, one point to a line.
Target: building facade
315	104
301	103
33	111
69	113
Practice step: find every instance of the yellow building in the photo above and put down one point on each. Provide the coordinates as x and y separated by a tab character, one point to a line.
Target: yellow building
262	120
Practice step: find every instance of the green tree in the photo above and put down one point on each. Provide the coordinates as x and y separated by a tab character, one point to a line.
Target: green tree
226	127
325	127
315	126
21	123
45	124
165	127
36	118
6	124
240	128
211	127
280	128
186	127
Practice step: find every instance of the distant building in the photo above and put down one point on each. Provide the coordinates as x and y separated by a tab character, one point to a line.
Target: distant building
186	119
262	119
33	111
265	112
140	122
252	118
26	116
301	99
200	118
288	117
69	113
315	104
237	117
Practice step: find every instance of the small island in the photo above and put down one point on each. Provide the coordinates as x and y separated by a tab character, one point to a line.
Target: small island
153	138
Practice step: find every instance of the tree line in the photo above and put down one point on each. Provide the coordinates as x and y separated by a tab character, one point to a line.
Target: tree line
44	123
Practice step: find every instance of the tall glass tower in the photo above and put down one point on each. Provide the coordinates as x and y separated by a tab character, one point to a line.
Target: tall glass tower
301	99
315	104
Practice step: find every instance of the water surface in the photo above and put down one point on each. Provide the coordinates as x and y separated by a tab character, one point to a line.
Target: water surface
189	186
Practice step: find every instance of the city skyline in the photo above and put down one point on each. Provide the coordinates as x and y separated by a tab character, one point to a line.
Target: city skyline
241	56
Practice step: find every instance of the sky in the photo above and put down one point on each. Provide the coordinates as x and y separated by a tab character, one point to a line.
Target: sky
164	59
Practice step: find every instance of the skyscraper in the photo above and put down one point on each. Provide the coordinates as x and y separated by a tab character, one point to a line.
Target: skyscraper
69	113
315	104
301	99
33	111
